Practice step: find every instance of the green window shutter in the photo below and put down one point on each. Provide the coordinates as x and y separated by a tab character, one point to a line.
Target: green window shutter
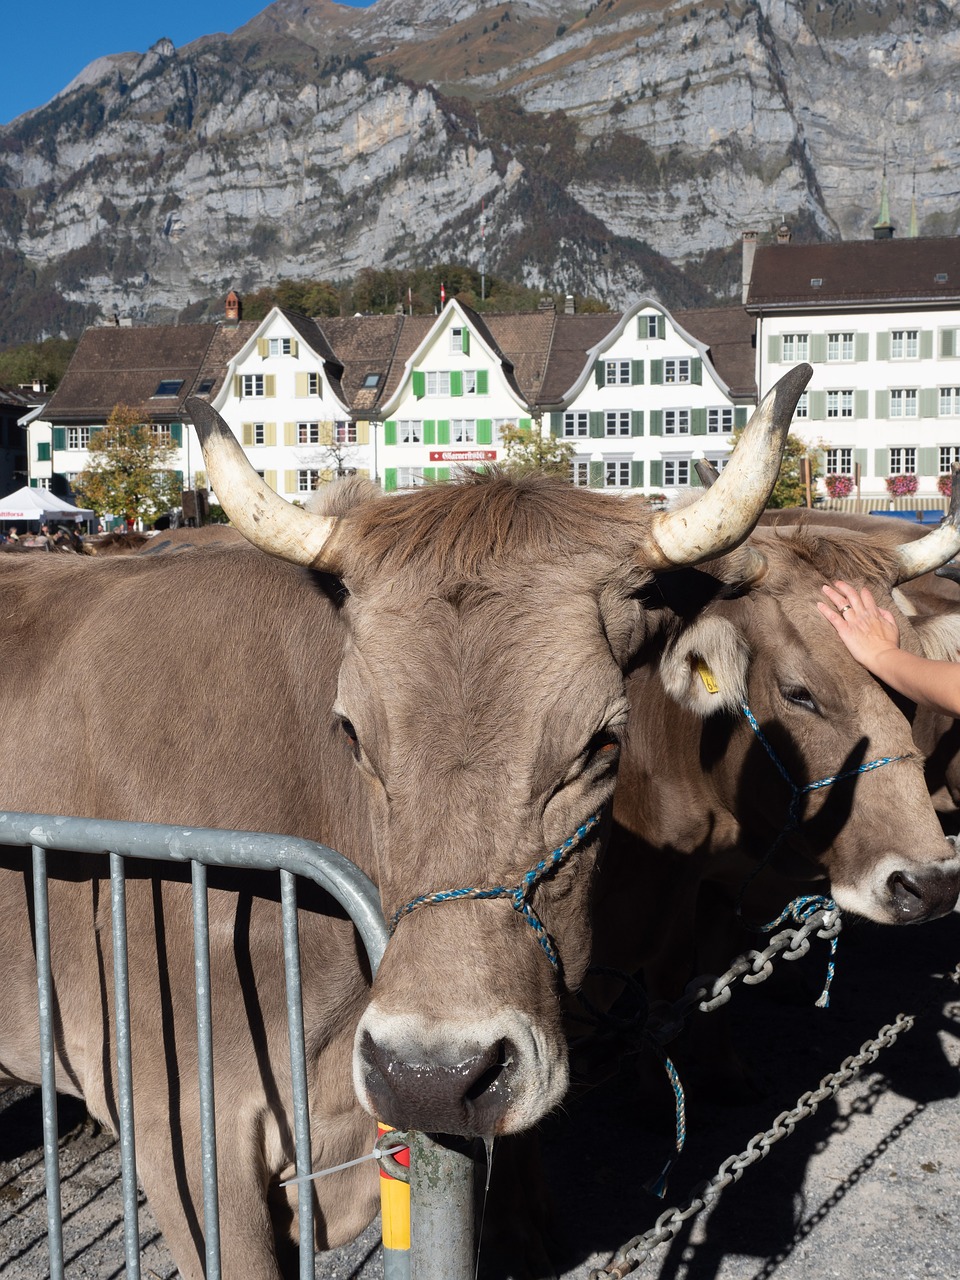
656	420
656	473
556	424
389	433
861	347
485	431
443	431
34	483
740	416
59	438
928	460
636	372
465	341
773	348
636	475
818	405
596	475
656	373
883	346
419	380
881	462
696	370
860	459
929	402
456	382
430	431
389	479
596	425
695	481
948	343
861	404
482	382
818	348
443	473
698	422
525	424
661	326
926	344
179	475
636	423
43	450
882	402
176	433
600	373
429	473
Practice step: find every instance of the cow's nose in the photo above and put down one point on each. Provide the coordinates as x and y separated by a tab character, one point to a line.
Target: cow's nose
923	895
466	1097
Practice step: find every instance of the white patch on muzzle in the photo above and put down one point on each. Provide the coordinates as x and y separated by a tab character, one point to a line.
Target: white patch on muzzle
872	897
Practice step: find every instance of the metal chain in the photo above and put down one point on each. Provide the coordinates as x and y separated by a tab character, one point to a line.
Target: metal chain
638	1250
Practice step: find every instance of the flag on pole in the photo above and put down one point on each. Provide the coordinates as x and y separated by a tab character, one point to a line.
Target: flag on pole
443	294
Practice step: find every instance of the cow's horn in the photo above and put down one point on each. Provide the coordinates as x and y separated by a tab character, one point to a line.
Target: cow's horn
938	546
262	516
726	513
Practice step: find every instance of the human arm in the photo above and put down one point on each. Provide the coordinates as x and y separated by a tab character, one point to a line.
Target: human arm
872	636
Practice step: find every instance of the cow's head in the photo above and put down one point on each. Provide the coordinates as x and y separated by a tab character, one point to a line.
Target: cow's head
487	626
761	643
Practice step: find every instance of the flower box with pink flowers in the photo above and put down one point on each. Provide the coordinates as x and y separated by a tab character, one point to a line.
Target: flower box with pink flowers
901	486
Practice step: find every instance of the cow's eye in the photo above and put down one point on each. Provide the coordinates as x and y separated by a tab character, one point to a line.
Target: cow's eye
347	727
799	697
604	743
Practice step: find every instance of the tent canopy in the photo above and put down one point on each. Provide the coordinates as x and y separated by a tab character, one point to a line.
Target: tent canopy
40	504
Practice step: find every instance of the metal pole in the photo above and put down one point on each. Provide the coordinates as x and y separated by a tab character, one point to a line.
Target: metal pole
442	1237
48	1066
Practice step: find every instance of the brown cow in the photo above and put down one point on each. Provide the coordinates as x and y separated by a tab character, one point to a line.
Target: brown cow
446	709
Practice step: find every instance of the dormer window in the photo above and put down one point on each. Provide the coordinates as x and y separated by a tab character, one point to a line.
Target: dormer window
169	387
280	346
816	282
460	340
941	277
205	387
371	381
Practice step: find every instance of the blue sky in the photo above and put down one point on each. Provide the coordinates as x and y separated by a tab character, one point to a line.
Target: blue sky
46	47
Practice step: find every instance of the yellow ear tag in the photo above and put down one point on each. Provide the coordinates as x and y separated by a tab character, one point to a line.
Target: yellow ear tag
706	675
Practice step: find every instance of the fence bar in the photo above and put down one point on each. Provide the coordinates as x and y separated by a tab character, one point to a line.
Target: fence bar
48	1069
208	1117
121	989
298	1071
441	1209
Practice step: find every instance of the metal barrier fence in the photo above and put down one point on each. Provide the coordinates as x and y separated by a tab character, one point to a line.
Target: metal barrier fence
441	1213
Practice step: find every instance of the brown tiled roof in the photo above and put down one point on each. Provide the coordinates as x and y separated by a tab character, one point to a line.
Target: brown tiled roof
523	338
573	337
728	334
363	345
226	343
860	272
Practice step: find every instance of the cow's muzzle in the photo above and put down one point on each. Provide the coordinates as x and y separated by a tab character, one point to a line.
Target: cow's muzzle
923	893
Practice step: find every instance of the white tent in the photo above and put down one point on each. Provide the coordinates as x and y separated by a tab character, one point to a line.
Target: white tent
41	505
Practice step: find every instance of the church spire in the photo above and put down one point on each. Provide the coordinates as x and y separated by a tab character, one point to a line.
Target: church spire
914	220
883	228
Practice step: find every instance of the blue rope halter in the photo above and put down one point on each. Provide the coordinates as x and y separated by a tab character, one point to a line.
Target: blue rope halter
518	895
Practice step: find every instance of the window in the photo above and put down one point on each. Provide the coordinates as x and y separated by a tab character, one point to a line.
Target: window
169	387
576	424
903	403
206	386
647	327
796	346
617	422
949	401
344	433
160	431
904	344
676	422
469	382
617	373
676	471
279	346
307	432
903	462
259	432
307	481
949	454
580	472
463	430
839	462
839	346
78	437
839	404
616	473
43	482
498	425
456	339
370	381
803	407
313	384
438	383
252	384
409	477
676	370
409	432
719	421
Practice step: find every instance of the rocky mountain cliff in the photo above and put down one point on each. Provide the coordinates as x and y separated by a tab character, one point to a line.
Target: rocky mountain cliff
617	150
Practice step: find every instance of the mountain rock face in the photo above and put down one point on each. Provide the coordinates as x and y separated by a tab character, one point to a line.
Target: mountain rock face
617	150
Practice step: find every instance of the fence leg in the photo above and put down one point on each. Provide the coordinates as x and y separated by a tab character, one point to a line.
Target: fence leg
442	1236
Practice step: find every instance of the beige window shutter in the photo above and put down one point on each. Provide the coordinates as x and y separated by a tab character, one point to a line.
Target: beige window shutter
238	386
326	433
289	482
289	433
364	471
246	434
294	347
363	433
326	475
269	433
301	382
269	384
271	478
263	348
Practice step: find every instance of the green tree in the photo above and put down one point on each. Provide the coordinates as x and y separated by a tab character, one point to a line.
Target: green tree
790	490
130	469
44	362
527	449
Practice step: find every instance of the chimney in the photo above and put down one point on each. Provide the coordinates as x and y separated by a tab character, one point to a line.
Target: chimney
784	234
233	309
749	252
568	306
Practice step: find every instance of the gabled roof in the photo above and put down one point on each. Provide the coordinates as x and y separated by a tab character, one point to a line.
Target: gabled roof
861	273
728	335
365	346
574	338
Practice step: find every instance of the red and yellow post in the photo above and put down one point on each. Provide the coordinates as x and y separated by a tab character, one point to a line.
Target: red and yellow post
395	1214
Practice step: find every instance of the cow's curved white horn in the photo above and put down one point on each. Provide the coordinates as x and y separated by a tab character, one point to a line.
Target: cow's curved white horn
262	516
938	546
726	513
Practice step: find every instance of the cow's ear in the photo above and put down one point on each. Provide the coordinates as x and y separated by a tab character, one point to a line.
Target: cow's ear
705	668
939	636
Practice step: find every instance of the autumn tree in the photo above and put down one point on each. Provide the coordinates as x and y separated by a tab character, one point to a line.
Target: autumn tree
129	472
790	490
528	449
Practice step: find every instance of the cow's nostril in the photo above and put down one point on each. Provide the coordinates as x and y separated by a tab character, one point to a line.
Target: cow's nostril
906	893
488	1079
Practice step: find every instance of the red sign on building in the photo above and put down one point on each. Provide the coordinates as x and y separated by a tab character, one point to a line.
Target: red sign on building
463	455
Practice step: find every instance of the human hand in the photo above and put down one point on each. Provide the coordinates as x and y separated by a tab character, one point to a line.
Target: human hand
867	630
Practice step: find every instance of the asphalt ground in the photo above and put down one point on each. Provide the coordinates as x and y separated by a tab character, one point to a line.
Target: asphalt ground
868	1187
